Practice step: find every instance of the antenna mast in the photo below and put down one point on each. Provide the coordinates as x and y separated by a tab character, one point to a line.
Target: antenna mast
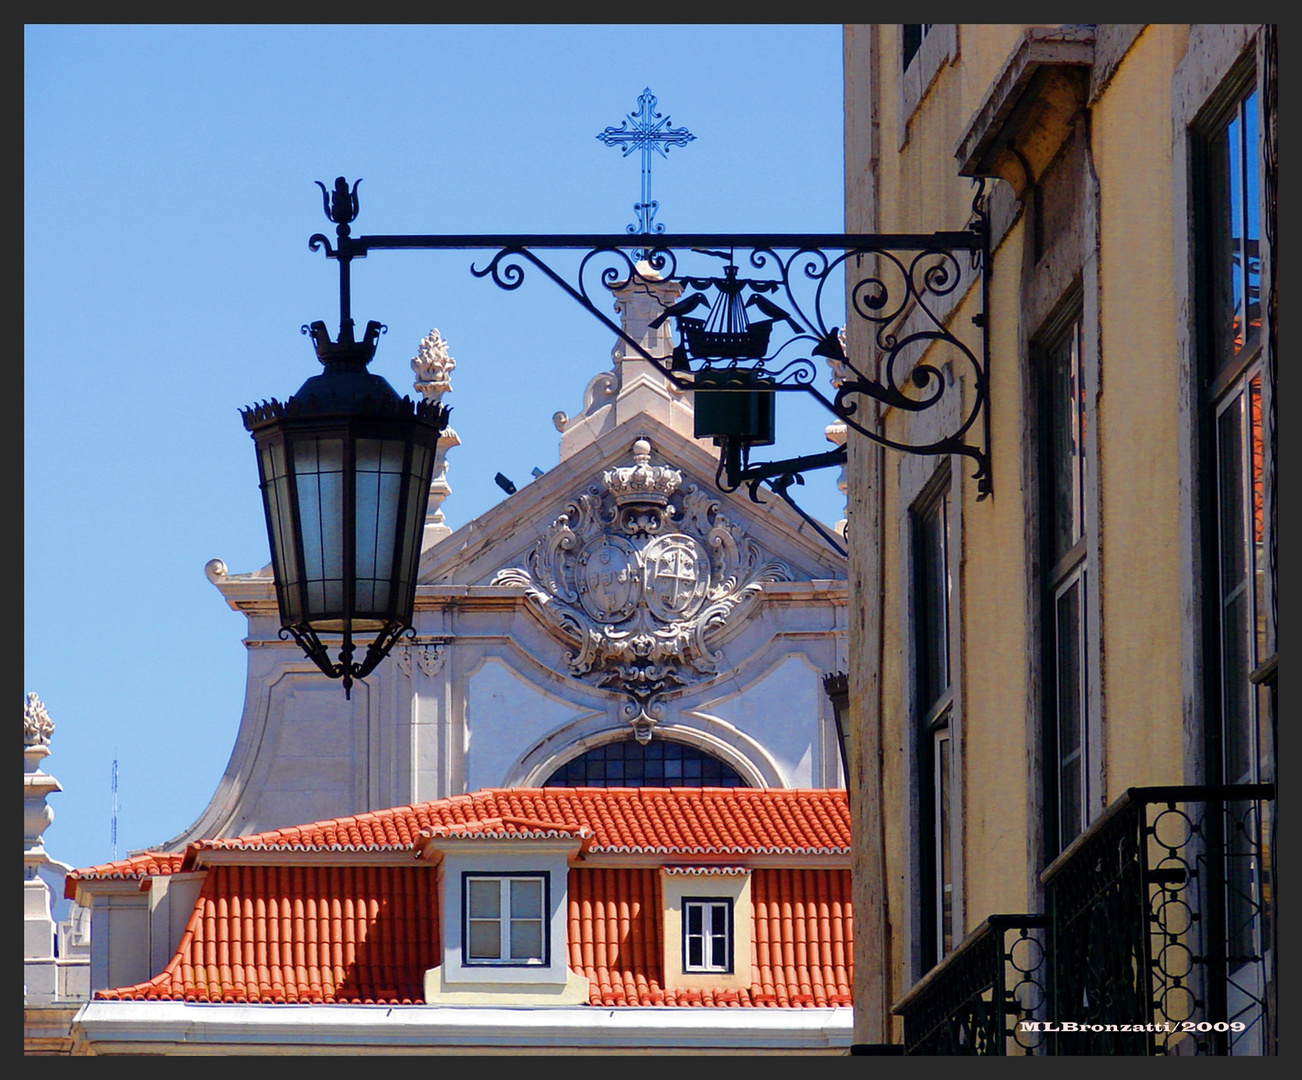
113	820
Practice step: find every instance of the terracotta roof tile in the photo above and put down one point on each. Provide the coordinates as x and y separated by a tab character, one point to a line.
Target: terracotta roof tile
312	933
802	936
287	934
695	820
146	865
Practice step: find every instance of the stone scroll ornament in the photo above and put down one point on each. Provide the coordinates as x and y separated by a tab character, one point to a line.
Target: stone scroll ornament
638	577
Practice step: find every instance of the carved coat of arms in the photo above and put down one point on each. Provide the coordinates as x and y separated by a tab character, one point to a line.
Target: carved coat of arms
637	576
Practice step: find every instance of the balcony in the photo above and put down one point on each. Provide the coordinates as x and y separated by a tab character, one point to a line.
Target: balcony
974	1001
1156	941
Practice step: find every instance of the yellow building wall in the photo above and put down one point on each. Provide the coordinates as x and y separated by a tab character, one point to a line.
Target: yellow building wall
917	188
1138	410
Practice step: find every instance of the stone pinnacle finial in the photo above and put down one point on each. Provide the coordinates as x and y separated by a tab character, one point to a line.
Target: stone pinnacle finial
37	725
433	367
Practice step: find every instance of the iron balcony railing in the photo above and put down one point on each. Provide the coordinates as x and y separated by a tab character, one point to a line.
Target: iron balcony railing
1159	925
1156	941
974	1002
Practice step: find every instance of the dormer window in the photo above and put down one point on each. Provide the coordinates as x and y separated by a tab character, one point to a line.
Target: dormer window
504	919
707	934
707	917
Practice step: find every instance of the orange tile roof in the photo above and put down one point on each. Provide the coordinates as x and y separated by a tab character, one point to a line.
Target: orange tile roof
366	934
285	932
146	865
303	934
695	821
802	939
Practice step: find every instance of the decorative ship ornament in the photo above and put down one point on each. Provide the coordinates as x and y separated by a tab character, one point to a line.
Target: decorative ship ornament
637	578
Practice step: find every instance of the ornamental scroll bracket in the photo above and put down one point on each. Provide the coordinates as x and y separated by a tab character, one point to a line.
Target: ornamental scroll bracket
638	577
783	303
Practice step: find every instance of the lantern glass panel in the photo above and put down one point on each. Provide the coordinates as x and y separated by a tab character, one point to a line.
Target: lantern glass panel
379	494
319	473
413	525
280	520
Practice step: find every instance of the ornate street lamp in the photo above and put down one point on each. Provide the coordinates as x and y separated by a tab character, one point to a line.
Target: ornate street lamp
345	467
346	464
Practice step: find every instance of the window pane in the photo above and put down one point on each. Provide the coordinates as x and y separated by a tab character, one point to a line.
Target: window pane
1238	484
718	919
1070	712
1234	234
485	898
719	953
526	939
1065	409
695	953
944	876
485	940
526	899
931	603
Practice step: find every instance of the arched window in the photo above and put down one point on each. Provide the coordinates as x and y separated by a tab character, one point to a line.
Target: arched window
660	763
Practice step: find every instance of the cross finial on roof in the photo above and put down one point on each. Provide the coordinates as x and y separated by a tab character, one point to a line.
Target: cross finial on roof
649	131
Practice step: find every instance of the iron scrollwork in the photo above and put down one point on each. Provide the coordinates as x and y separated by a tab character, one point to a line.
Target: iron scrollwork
772	319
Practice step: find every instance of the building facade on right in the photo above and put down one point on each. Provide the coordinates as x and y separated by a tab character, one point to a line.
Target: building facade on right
1061	695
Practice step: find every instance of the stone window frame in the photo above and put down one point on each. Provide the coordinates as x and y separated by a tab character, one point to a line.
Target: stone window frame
939	47
922	480
931	724
1073	568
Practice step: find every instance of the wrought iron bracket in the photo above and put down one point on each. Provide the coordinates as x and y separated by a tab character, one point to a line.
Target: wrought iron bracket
900	349
346	668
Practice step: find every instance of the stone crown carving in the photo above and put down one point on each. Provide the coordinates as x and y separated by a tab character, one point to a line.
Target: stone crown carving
642	482
639	574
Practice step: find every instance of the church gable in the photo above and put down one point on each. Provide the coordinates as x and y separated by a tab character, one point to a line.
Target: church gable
507	534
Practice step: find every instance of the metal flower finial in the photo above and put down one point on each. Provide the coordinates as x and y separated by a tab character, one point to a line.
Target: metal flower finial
340	205
37	725
650	131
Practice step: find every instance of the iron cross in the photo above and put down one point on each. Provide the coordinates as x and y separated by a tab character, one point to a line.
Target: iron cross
650	131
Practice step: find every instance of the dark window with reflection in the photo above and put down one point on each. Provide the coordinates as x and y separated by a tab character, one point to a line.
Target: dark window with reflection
1239	733
931	587
1062	528
660	763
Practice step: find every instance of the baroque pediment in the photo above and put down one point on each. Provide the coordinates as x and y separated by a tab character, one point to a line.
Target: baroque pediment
640	575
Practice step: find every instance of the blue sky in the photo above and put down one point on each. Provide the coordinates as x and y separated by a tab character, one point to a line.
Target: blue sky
169	196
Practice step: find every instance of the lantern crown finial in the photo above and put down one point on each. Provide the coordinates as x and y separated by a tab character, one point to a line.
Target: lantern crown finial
347	349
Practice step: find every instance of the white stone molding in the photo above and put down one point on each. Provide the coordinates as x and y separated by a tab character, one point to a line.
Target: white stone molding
718	738
429	656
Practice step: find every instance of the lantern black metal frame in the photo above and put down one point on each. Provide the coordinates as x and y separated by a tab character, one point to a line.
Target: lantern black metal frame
345	467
